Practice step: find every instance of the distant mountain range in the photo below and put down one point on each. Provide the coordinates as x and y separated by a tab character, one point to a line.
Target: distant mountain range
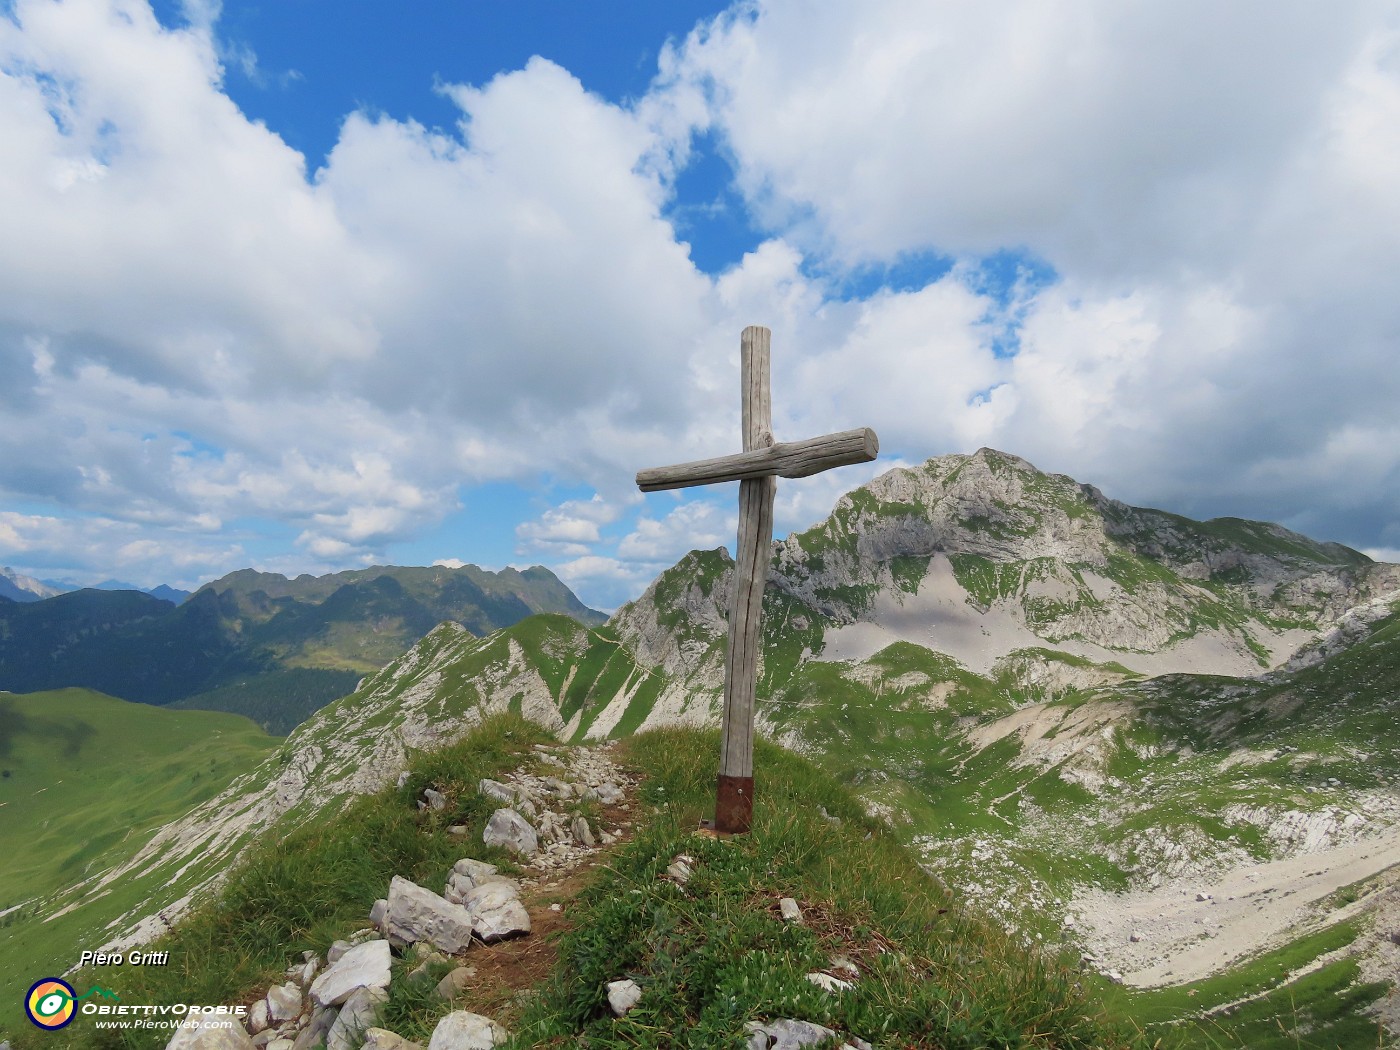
20	588
256	643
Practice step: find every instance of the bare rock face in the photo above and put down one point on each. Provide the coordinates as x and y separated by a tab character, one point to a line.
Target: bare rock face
462	1030
509	829
418	914
363	966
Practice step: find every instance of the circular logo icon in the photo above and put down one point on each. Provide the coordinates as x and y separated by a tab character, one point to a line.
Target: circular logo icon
49	1003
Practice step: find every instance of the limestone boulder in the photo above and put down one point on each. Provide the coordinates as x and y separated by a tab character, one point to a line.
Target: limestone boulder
210	1033
462	1030
496	911
418	914
314	1034
509	829
623	995
283	1003
787	1034
383	1039
363	966
456	982
356	1017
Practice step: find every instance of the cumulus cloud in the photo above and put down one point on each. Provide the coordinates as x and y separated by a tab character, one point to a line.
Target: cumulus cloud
1211	185
197	333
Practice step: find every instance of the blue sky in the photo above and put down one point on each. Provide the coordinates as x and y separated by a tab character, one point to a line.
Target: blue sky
315	285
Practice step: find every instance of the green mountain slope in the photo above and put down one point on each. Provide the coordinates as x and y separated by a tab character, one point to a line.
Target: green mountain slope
258	643
85	781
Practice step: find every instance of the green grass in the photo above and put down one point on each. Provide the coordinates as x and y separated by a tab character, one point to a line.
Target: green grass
90	778
302	891
714	954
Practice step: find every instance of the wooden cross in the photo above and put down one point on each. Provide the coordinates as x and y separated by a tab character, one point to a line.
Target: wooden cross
756	469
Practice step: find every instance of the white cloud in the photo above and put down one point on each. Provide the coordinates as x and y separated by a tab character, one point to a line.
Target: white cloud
696	524
571	526
194	330
91	549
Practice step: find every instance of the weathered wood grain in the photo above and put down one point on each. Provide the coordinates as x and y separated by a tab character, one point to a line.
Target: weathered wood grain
750	564
785	459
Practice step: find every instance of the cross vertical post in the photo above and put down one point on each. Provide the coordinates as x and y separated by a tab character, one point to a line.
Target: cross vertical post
756	469
734	793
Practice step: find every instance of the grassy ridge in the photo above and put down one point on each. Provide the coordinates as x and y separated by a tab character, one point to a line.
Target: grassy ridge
710	957
714	954
85	779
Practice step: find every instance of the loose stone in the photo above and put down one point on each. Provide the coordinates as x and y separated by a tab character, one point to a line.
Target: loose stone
360	1012
623	995
363	966
461	1030
509	829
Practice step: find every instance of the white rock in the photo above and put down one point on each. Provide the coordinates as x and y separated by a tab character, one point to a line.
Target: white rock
509	829
436	799
828	983
789	910
583	834
336	950
495	789
456	982
315	1032
283	1003
623	995
208	1032
1203	896
376	913
496	911
461	1030
610	794
257	1018
308	971
787	1034
383	1039
358	1015
1135	937
418	914
363	966
457	888
476	870
679	869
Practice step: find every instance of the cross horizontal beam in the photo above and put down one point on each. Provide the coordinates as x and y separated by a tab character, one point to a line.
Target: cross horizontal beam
786	459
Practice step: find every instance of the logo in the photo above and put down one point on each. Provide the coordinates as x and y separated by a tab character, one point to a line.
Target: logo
51	1001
